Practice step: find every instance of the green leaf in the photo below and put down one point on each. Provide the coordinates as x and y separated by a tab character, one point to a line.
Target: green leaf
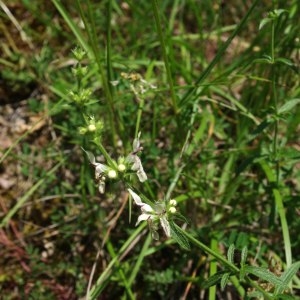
287	276
288	106
260	128
244	256
289	154
193	92
180	217
230	253
242	239
264	274
243	272
263	22
213	280
276	13
224	280
179	237
263	60
284	61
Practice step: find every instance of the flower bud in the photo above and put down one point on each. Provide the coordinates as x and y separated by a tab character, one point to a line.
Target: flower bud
82	130
121	167
112	174
92	127
172	210
173	202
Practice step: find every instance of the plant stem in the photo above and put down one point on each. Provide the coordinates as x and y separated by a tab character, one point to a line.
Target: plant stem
275	180
97	287
120	271
208	250
109	160
141	102
194	91
223	260
165	55
91	30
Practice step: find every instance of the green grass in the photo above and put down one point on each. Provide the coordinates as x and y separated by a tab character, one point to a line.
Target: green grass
219	123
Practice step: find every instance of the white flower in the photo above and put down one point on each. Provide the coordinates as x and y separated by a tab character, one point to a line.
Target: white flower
133	159
173	202
114	82
101	171
121	167
152	215
172	210
112	174
92	127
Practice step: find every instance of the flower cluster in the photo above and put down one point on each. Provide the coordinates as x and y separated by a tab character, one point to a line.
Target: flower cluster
131	162
92	126
138	85
133	159
158	212
155	213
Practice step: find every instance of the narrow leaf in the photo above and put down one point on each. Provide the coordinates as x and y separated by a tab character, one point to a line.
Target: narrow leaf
287	276
260	128
263	22
288	105
224	280
230	253
213	280
243	272
244	256
284	61
264	274
179	237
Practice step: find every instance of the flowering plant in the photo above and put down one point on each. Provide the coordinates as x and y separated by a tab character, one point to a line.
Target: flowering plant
159	212
112	170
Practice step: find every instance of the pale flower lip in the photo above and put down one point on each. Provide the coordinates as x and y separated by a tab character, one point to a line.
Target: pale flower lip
165	225
147	210
136	161
137	166
138	201
100	170
148	214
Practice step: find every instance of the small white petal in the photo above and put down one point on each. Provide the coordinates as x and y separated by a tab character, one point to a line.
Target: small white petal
130	159
135	197
114	82
101	187
136	163
141	175
146	208
100	168
137	166
136	142
165	225
173	202
143	217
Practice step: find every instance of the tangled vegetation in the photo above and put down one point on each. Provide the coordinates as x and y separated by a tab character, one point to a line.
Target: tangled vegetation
149	149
